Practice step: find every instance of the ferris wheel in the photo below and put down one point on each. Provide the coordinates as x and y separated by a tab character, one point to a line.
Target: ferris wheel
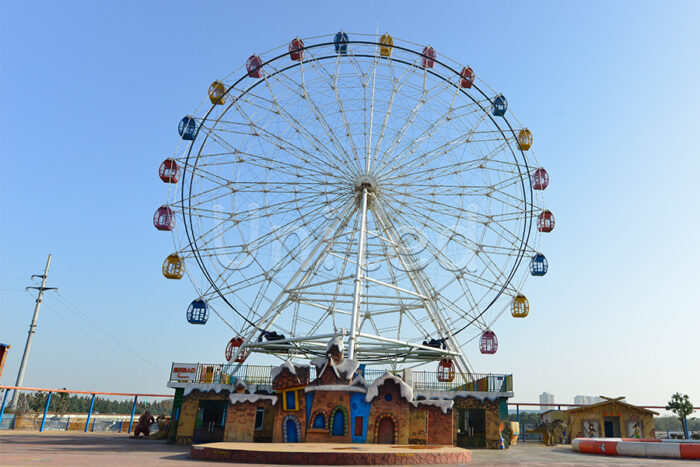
355	186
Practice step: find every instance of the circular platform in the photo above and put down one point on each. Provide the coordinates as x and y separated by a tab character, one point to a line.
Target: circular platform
672	449
330	454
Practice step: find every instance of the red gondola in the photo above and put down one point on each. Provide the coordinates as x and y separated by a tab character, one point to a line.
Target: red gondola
545	221
169	172
488	343
467	77
296	50
540	179
164	218
446	370
429	55
232	346
254	66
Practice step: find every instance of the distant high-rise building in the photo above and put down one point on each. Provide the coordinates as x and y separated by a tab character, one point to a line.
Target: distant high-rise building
546	398
586	400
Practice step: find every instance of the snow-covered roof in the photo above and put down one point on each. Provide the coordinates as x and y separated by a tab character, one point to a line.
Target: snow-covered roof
253	398
359	381
337	341
443	405
336	387
373	389
347	367
343	370
451	395
275	372
203	387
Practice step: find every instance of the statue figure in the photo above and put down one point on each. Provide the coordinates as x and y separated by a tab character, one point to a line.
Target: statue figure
143	425
549	430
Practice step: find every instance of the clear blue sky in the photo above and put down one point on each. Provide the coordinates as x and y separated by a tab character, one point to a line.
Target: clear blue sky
91	94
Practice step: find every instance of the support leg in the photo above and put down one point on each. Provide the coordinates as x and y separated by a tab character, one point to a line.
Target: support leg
4	401
46	410
92	404
133	410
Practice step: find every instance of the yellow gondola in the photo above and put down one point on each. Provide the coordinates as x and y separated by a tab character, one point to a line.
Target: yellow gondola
521	307
387	45
217	92
174	267
524	139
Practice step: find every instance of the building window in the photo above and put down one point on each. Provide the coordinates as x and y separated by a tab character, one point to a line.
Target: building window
319	421
290	400
259	417
358	426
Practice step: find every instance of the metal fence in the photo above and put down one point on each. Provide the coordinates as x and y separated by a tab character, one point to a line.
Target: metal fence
24	419
480	382
420	380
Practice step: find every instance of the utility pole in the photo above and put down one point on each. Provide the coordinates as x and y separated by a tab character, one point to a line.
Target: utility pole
32	328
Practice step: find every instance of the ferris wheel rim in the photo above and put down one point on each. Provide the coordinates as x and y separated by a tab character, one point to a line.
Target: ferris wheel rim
518	156
527	225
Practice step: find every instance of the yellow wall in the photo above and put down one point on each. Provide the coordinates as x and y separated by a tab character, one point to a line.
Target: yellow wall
575	428
188	413
417	422
492	413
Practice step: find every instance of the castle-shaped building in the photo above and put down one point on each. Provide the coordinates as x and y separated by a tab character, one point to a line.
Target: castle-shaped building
338	406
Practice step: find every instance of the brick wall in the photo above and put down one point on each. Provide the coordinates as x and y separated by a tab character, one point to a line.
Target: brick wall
286	379
327	401
398	407
439	426
280	413
240	422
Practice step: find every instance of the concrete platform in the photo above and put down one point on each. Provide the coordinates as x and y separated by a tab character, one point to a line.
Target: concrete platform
330	454
77	449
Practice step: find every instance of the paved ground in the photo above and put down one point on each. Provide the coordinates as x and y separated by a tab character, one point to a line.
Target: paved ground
109	449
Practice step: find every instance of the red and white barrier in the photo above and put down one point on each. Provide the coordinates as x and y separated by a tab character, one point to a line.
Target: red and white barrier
637	447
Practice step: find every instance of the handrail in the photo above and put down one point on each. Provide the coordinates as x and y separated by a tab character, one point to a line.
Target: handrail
663	407
23	388
420	380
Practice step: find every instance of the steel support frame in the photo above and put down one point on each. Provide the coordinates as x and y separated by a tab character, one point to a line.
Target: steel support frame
421	284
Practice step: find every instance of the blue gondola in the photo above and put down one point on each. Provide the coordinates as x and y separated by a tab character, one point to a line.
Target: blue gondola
187	128
198	312
538	265
341	43
500	105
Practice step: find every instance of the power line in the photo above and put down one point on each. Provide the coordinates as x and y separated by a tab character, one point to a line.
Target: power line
72	307
121	354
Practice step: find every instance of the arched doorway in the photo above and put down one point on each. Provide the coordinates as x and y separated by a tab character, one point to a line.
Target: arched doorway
338	424
386	430
290	429
338	421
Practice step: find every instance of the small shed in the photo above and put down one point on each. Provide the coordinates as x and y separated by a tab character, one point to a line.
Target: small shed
612	418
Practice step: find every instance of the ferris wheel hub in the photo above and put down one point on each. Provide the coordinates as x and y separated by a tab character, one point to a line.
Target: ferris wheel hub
362	182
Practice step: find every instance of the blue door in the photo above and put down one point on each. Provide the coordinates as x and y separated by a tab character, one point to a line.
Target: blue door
338	424
292	435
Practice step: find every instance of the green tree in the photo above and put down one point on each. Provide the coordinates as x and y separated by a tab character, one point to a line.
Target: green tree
681	406
60	403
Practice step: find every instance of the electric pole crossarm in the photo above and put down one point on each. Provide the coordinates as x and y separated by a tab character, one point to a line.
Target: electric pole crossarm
32	328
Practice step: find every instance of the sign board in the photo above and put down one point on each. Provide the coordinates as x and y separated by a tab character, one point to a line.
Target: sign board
183	372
